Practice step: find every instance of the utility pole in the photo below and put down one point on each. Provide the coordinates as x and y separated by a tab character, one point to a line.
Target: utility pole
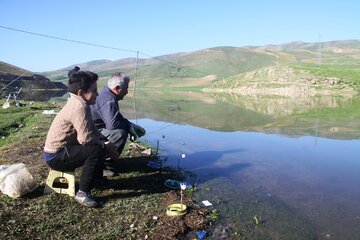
319	57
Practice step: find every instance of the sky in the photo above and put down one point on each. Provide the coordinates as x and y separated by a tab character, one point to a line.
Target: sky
160	27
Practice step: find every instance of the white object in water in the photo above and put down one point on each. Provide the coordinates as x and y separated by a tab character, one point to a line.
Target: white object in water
207	203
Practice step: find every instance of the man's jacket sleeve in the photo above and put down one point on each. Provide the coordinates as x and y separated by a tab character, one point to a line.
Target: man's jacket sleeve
112	118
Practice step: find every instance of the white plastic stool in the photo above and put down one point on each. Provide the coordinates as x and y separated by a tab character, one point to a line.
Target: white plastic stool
63	178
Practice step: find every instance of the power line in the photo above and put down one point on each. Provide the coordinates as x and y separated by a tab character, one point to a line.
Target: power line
319	60
67	40
97	45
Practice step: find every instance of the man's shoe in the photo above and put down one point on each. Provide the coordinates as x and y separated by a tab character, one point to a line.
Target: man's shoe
86	199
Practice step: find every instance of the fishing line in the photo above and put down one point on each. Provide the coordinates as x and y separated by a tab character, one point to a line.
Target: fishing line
13	81
134	101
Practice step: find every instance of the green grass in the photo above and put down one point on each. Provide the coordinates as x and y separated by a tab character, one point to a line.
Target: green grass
128	208
18	123
135	201
347	74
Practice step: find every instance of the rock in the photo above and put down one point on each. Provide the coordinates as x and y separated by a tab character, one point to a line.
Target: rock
220	232
147	152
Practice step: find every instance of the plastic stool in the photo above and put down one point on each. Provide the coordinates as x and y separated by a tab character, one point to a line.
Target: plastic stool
63	178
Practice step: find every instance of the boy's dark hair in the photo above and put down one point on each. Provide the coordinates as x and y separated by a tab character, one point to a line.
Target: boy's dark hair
81	80
72	71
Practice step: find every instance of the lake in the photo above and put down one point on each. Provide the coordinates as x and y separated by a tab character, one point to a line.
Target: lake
294	163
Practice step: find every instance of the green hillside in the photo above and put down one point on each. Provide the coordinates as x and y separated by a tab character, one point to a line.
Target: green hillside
192	68
292	81
11	69
203	68
349	75
187	68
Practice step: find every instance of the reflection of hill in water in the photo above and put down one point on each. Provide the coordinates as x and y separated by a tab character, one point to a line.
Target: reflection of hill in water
331	117
279	106
41	95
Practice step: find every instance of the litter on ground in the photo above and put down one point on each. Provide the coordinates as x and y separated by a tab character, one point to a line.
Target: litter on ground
207	203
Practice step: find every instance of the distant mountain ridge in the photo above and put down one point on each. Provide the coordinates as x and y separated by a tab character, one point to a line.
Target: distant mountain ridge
204	67
6	68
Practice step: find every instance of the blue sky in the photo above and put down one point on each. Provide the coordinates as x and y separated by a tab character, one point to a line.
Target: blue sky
162	27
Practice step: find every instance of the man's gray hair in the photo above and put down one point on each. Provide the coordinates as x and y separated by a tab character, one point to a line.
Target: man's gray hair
118	79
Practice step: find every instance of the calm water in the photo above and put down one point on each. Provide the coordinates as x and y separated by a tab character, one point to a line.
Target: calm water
303	153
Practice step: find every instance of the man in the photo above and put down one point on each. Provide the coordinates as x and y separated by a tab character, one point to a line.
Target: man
107	117
73	140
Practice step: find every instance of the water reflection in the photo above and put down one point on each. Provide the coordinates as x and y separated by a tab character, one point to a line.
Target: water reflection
38	95
331	117
41	95
281	106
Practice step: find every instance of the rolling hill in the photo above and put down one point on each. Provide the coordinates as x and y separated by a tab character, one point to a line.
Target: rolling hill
6	68
202	68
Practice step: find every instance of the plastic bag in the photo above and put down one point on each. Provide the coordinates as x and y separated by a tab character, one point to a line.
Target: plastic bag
15	180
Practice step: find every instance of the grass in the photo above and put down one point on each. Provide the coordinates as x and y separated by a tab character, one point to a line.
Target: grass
17	124
128	208
347	74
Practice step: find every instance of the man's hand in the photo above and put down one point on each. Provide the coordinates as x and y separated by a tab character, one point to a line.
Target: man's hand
111	151
136	131
132	132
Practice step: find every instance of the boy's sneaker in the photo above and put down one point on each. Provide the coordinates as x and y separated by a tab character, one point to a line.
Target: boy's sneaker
86	199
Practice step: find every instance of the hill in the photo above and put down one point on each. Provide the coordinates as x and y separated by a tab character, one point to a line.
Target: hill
286	81
188	69
33	86
6	68
204	67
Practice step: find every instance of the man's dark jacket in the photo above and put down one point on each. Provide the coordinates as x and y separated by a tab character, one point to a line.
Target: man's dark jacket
105	113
